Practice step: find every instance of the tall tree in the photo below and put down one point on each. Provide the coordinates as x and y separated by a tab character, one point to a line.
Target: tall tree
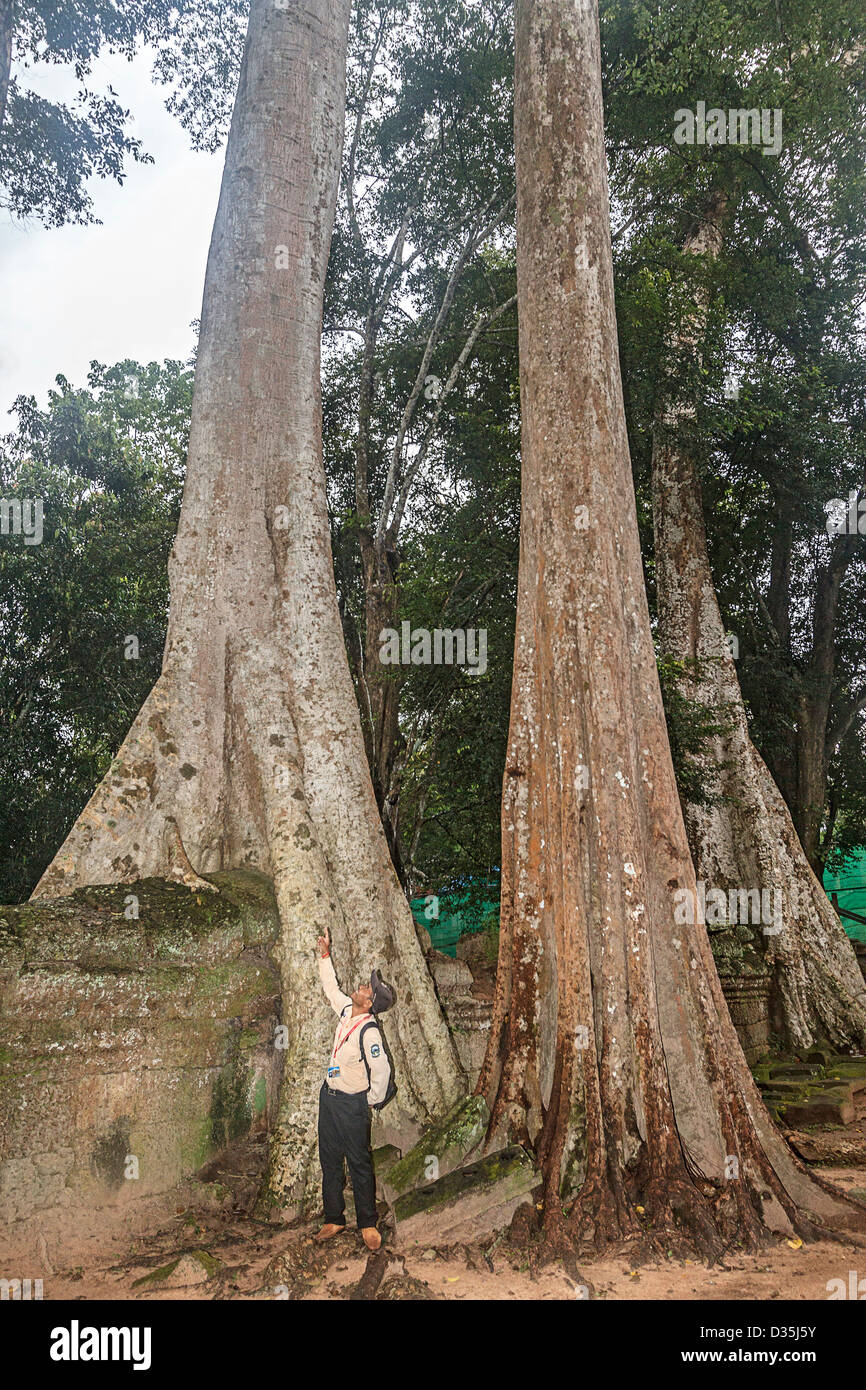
611	1048
742	838
417	283
248	751
786	283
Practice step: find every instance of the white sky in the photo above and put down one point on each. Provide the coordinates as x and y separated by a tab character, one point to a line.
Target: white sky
129	288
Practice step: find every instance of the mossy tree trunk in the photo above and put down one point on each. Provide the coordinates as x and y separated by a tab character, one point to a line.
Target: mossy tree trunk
248	751
742	839
611	1052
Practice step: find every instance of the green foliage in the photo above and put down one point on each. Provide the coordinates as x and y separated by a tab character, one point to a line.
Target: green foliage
783	317
50	150
429	143
107	463
201	65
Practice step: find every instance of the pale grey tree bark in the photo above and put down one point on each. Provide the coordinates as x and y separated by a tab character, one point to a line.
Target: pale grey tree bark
744	839
248	751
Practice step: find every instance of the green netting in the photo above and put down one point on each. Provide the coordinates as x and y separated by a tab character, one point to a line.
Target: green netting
449	915
848	886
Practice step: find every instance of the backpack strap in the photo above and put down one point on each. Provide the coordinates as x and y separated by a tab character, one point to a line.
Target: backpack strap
371	1024
392	1088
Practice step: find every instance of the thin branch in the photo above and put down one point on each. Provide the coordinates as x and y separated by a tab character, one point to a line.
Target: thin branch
359	120
843	724
483	321
476	237
777	641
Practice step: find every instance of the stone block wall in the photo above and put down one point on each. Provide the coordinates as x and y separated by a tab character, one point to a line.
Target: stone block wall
748	998
136	1038
137	1027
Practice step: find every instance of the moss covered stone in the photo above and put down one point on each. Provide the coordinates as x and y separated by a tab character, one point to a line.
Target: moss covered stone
469	1201
136	1021
384	1158
442	1147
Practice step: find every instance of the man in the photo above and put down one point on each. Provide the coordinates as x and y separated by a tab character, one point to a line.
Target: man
346	1097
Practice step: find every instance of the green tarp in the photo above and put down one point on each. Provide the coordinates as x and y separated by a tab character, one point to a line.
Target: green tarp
449	915
849	883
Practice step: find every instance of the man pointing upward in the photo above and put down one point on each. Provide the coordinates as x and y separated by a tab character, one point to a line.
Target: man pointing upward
358	1077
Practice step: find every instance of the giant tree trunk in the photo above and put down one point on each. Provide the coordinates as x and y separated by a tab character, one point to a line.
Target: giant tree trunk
815	744
248	751
745	840
611	1048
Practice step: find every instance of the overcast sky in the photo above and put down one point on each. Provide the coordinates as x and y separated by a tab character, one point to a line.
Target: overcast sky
129	288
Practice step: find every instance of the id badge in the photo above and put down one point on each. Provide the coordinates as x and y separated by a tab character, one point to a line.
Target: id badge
333	1071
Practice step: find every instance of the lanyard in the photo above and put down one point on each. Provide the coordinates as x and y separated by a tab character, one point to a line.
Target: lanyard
348	1035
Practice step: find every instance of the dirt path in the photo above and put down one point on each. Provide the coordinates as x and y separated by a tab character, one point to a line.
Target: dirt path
197	1244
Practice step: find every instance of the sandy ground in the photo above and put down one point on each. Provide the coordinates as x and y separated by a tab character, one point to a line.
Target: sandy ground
246	1259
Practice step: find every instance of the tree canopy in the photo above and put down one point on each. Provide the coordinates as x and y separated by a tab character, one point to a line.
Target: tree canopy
423	469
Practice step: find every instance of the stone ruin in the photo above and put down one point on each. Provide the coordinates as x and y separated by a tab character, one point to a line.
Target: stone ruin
137	1041
137	1027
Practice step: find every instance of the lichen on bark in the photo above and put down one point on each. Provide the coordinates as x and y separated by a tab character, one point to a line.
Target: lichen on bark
611	1051
248	752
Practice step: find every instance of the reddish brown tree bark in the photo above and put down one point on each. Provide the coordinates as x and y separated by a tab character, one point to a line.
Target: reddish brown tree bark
611	1049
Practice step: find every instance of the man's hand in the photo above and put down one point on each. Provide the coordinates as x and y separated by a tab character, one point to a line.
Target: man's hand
324	944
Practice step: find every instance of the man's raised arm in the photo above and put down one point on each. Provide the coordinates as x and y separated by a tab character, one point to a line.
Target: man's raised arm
335	996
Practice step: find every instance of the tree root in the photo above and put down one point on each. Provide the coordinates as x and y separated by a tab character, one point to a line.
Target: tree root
667	1219
180	870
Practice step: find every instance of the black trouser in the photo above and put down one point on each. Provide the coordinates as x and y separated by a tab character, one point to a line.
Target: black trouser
344	1132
